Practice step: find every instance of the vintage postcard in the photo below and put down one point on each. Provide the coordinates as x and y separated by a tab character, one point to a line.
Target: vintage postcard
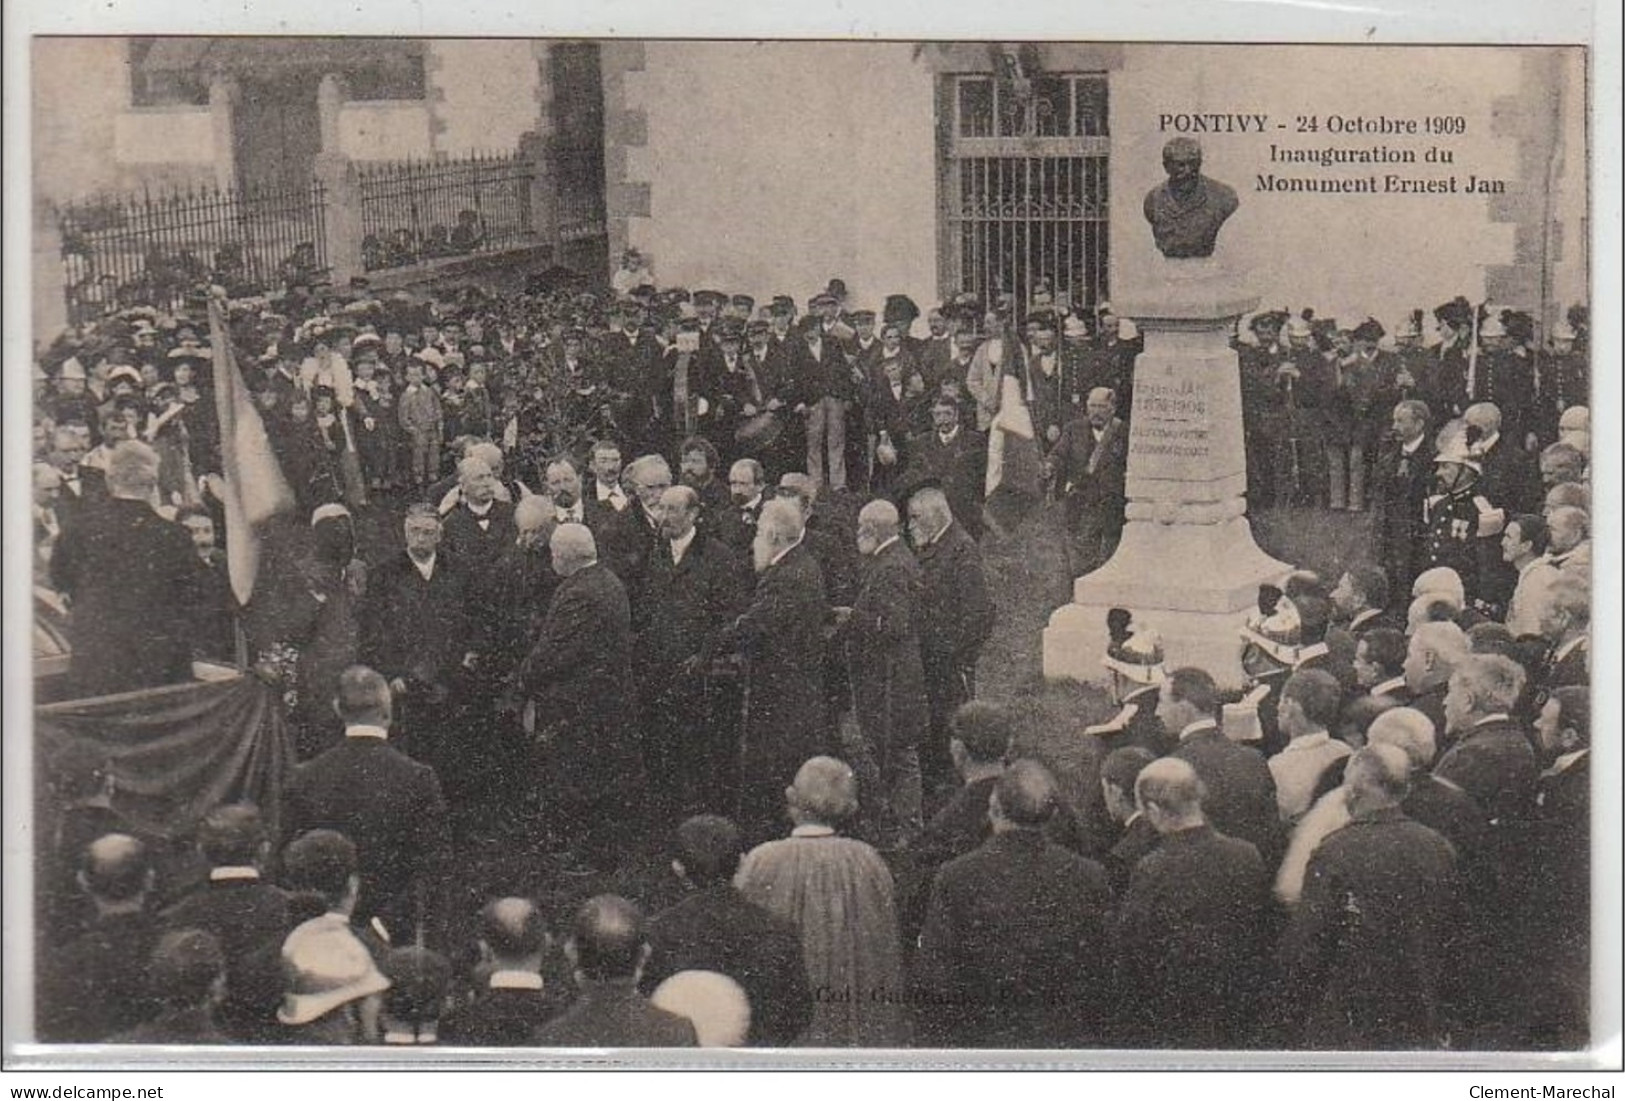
1041	547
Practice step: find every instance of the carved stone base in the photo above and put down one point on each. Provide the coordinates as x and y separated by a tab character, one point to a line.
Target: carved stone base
1187	564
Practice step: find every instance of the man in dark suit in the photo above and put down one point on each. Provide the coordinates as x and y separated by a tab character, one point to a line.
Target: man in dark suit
1014	948
747	488
1510	478
246	915
1089	467
1491	758
1402	482
1240	793
1438	805
715	928
576	677
1362	958
1560	847
519	585
389	805
647	477
615	532
1565	625
81	485
882	636
956	618
1360	599
1434	652
480	527
512	1000
1316	643
781	637
1187	935
828	531
608	949
699	466
952	456
414	631
1118	773
96	985
132	578
692	586
632	357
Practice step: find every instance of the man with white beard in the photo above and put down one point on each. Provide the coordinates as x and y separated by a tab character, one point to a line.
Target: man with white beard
781	637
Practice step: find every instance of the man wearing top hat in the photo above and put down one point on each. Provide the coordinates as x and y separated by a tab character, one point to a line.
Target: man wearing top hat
1445	390
732	388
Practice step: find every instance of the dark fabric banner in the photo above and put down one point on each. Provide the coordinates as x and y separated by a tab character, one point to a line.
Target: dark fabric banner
180	750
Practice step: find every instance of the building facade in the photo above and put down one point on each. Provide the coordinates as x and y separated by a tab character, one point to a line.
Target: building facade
901	167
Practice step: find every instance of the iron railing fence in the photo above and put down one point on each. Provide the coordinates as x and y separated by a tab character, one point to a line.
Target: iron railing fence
152	249
413	211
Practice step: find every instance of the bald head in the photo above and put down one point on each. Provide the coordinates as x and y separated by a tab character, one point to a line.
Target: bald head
607	939
1024	796
1440	580
1434	652
1378	776
364	697
1409	731
116	869
1169	793
514	933
573	549
825	792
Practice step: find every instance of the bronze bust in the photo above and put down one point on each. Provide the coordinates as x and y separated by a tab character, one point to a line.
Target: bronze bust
1187	210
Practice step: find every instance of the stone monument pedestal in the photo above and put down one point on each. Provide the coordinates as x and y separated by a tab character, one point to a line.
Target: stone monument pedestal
1187	565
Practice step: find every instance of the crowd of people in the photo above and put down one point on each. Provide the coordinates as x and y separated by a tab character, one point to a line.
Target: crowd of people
664	573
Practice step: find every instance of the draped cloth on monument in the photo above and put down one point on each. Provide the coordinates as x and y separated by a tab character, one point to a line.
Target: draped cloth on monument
179	750
1014	465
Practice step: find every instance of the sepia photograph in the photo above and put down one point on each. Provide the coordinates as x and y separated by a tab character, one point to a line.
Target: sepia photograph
545	545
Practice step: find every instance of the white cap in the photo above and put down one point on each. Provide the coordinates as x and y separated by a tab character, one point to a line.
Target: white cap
1126	329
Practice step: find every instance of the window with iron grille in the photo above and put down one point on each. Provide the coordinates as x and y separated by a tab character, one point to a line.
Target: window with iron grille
1026	186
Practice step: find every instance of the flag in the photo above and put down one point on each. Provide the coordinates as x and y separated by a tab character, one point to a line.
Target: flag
1014	465
255	489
